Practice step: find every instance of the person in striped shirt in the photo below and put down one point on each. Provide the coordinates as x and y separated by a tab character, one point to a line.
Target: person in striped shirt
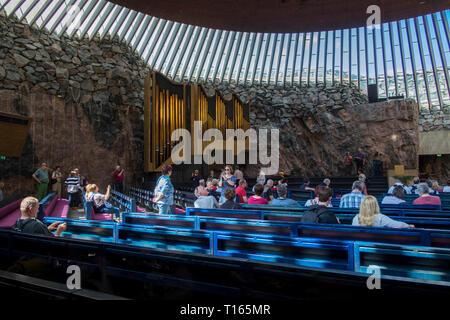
354	198
73	187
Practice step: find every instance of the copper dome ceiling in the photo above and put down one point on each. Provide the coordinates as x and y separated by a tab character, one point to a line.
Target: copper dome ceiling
281	15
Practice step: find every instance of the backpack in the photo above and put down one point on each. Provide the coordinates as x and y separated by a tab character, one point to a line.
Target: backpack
313	214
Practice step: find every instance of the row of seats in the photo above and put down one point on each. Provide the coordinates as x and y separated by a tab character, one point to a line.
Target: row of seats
216	238
50	206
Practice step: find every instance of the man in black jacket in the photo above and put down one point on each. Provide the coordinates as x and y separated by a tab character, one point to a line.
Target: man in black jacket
319	213
28	223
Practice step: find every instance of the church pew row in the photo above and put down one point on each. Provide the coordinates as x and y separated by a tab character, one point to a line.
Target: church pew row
345	218
50	206
422	237
389	210
9	214
102	231
143	273
123	202
416	262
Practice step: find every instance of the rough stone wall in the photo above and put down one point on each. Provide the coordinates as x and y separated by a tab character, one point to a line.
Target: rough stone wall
434	121
319	124
85	98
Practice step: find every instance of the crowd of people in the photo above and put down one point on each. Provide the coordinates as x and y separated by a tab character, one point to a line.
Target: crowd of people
228	192
228	189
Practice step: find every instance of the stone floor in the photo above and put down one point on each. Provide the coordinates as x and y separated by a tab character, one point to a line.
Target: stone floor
76	213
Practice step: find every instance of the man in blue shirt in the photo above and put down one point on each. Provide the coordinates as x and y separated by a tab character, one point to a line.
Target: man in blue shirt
354	198
282	200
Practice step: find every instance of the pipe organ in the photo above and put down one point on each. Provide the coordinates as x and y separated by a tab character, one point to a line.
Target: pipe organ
169	106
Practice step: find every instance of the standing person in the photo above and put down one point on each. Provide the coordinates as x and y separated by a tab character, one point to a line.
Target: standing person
100	201
195	179
348	164
84	182
212	175
238	174
360	159
163	194
118	179
261	177
57	181
227	180
80	192
28	223
73	187
41	177
2	185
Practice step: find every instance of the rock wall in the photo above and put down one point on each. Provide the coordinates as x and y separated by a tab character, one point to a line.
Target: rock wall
319	124
85	98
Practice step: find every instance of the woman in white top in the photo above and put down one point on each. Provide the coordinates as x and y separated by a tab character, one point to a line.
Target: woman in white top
57	186
370	216
99	201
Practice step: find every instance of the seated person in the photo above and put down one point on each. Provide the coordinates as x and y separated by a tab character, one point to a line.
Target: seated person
28	223
396	198
325	183
370	216
434	187
205	201
99	201
424	196
354	198
319	212
305	186
258	198
240	191
212	190
268	192
230	196
282	199
447	187
201	186
314	201
413	188
362	177
399	183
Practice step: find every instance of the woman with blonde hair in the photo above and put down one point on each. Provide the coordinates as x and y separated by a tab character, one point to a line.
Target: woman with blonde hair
434	187
99	201
370	216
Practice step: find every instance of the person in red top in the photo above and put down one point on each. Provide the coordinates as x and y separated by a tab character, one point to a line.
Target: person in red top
118	179
257	198
240	191
424	196
348	163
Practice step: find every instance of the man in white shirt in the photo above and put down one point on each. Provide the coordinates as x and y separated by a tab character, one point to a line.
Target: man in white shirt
205	201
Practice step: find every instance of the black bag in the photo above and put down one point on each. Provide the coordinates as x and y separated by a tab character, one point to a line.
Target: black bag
313	214
53	181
